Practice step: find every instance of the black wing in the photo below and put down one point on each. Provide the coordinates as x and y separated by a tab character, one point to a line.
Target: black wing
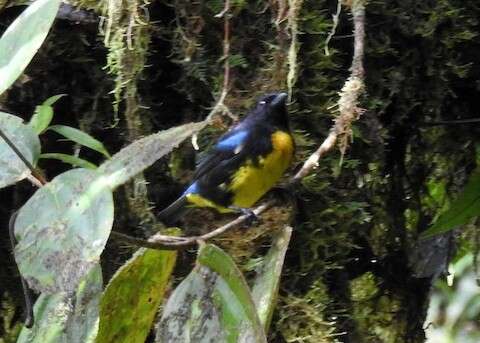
217	167
228	146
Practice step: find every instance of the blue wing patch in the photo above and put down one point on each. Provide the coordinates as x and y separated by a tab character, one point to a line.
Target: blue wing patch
233	142
192	189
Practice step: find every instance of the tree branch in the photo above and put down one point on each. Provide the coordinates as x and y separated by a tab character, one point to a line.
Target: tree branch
173	243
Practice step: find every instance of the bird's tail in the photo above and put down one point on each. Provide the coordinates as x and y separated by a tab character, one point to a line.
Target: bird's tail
173	212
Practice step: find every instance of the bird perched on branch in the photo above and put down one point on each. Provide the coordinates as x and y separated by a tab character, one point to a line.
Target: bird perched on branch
243	165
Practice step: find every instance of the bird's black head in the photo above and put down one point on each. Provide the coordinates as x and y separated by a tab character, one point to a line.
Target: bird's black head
274	107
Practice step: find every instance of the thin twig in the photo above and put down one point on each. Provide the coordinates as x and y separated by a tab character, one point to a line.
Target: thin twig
34	172
335	19
225	56
226	47
162	245
349	112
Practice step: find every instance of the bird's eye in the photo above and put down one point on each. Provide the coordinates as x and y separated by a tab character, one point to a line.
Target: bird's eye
262	102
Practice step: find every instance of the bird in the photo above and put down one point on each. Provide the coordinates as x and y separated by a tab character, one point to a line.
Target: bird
245	163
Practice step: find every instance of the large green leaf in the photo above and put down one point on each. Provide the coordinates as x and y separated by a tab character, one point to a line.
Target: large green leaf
462	209
62	230
132	298
267	282
142	153
80	137
213	304
23	38
12	168
67	316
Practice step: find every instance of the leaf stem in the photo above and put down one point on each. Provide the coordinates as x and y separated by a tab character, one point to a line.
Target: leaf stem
35	173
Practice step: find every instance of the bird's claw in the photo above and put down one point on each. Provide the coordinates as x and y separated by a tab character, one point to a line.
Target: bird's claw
251	219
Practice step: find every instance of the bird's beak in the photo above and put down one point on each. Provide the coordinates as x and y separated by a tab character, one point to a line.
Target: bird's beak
280	100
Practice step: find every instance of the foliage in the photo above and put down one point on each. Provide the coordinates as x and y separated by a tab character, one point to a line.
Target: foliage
131	299
73	160
212	303
67	316
22	39
43	114
73	227
462	209
80	137
267	281
26	141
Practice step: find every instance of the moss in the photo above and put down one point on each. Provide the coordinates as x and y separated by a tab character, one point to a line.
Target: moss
364	287
300	319
247	245
377	316
10	327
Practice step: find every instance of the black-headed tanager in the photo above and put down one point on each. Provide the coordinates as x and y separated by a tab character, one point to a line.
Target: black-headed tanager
244	164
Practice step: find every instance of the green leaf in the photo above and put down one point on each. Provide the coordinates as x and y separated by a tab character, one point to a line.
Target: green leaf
267	281
23	38
41	118
213	304
43	114
80	137
62	230
67	317
462	209
131	300
73	160
53	99
12	168
142	153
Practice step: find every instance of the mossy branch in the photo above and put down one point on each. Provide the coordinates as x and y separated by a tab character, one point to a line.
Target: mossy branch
293	13
348	103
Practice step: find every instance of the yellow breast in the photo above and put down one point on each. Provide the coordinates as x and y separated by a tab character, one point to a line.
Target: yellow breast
251	181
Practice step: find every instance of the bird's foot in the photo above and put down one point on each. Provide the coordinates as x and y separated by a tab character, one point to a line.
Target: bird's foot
252	217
